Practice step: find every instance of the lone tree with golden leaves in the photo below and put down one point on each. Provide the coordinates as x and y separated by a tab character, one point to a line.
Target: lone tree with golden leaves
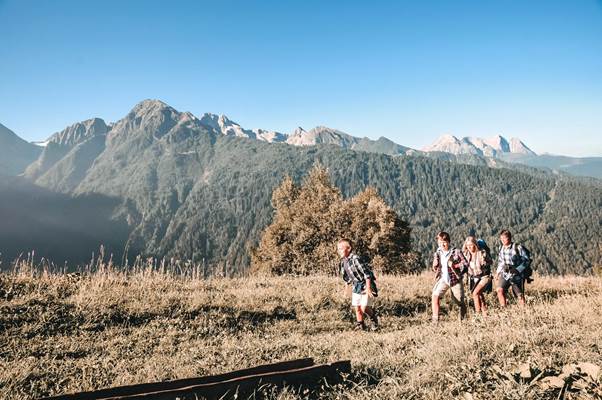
309	220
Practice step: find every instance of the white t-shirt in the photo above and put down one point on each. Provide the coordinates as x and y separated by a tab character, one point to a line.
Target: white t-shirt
443	259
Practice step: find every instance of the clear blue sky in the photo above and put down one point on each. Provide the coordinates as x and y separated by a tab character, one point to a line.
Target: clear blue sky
410	71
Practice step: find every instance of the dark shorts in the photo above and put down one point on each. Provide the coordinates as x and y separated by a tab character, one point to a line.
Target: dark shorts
517	283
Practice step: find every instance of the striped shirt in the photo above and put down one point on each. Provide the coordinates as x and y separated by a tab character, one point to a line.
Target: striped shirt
513	256
355	272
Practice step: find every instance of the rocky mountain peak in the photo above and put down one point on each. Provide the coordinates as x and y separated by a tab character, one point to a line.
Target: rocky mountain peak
149	106
78	132
211	121
299	131
498	143
518	147
494	146
147	118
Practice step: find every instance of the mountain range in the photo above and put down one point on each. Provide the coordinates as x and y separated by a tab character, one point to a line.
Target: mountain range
496	146
174	185
495	151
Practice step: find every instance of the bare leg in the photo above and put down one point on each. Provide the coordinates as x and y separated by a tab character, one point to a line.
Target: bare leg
359	315
457	294
483	304
501	296
368	311
435	307
371	312
521	300
479	297
476	298
521	296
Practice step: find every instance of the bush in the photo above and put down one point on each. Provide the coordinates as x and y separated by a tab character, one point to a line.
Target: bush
309	220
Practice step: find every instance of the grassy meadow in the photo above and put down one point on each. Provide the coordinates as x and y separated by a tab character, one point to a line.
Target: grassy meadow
63	333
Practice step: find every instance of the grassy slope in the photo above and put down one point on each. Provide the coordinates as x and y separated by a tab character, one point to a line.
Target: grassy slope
60	333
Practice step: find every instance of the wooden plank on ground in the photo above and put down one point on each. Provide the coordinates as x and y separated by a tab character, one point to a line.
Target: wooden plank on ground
308	377
182	383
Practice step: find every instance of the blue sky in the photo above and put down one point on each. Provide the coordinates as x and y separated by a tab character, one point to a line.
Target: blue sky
409	71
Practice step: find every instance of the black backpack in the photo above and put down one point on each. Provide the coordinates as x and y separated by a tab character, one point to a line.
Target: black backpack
525	269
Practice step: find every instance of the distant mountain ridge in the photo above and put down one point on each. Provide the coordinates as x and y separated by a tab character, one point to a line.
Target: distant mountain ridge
93	135
495	146
66	143
15	153
514	152
96	134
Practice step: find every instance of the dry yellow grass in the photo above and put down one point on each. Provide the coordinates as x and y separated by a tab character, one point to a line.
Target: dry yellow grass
62	333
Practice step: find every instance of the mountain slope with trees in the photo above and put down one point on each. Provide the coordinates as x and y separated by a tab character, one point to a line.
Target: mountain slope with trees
187	191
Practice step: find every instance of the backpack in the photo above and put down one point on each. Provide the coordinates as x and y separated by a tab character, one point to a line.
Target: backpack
482	245
524	269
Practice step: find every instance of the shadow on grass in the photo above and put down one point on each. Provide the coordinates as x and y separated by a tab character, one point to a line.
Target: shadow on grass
50	317
404	307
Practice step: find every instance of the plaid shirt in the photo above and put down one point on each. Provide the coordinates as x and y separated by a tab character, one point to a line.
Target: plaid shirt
355	273
480	270
456	266
506	256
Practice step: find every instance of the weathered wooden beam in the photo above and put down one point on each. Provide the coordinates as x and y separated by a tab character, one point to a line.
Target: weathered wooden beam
182	383
308	377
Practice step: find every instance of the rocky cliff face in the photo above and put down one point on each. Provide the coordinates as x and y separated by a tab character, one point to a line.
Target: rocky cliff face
490	147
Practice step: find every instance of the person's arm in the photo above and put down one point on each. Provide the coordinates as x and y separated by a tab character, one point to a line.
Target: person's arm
369	287
343	273
346	280
463	264
435	265
347	290
500	261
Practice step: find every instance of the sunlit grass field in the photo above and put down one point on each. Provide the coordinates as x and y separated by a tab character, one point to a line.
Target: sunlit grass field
63	333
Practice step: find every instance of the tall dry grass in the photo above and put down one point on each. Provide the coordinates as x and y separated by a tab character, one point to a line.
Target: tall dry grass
66	332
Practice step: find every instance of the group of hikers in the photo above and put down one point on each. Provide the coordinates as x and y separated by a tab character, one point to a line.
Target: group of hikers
450	265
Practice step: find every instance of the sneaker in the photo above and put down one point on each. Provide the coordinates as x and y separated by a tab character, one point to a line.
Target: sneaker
360	326
373	327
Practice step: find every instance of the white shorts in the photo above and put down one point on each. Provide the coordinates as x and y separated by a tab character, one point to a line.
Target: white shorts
457	290
361	300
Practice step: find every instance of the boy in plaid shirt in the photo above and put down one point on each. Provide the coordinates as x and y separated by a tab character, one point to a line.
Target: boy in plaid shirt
449	265
358	276
511	255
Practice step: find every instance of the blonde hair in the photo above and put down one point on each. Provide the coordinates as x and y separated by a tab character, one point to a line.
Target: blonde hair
347	241
470	239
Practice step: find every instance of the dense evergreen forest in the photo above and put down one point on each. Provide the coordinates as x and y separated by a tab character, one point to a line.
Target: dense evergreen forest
185	191
211	205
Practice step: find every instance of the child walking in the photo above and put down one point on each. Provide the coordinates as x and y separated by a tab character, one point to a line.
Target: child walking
449	264
359	277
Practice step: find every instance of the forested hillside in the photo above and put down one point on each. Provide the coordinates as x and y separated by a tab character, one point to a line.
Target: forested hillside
216	210
188	192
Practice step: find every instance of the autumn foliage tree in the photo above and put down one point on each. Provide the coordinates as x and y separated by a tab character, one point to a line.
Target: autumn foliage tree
309	220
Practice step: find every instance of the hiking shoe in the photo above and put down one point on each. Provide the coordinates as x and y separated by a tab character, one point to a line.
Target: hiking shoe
359	326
